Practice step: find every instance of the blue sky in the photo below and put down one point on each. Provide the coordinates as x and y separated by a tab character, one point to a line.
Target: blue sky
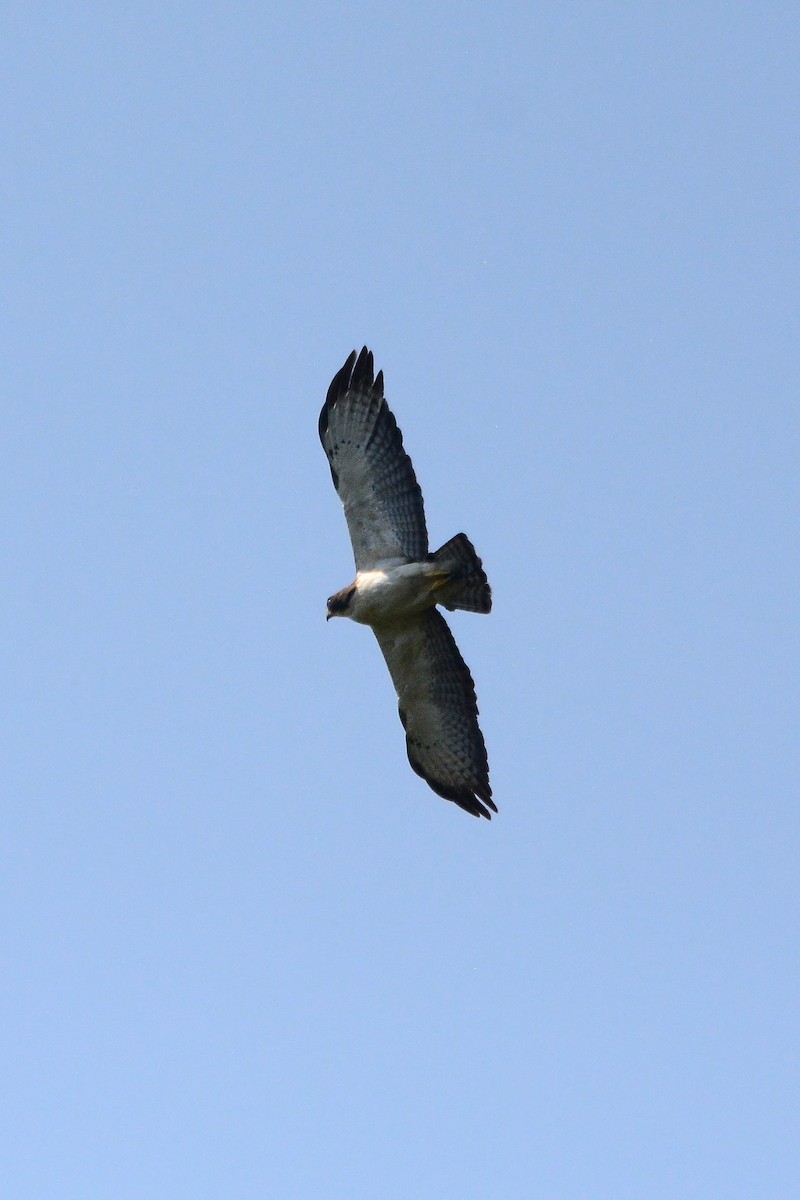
246	952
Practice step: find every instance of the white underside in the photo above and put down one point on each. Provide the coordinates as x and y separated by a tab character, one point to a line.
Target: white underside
385	595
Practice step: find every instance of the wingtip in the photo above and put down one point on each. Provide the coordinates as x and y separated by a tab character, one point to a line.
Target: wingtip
359	371
364	370
341	380
479	809
338	385
476	800
482	800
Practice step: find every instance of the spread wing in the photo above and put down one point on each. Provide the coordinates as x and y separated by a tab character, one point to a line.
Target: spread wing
438	709
371	471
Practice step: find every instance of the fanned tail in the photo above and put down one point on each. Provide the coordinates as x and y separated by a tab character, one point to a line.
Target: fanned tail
465	585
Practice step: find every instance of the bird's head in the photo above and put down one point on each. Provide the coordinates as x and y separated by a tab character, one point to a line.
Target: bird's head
339	603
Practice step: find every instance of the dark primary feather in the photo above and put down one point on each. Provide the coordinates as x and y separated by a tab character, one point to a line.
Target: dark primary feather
439	710
370	469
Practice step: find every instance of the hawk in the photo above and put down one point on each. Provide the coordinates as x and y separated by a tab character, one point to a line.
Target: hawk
398	585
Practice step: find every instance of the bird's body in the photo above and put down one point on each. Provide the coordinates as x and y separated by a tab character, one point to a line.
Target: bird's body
384	596
398	585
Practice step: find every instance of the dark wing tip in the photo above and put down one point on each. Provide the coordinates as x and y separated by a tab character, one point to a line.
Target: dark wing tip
472	800
364	370
466	799
477	809
359	371
476	804
339	385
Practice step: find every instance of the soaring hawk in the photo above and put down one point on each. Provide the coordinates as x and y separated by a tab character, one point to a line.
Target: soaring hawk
398	585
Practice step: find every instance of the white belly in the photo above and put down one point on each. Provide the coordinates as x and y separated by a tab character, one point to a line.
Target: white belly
382	596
